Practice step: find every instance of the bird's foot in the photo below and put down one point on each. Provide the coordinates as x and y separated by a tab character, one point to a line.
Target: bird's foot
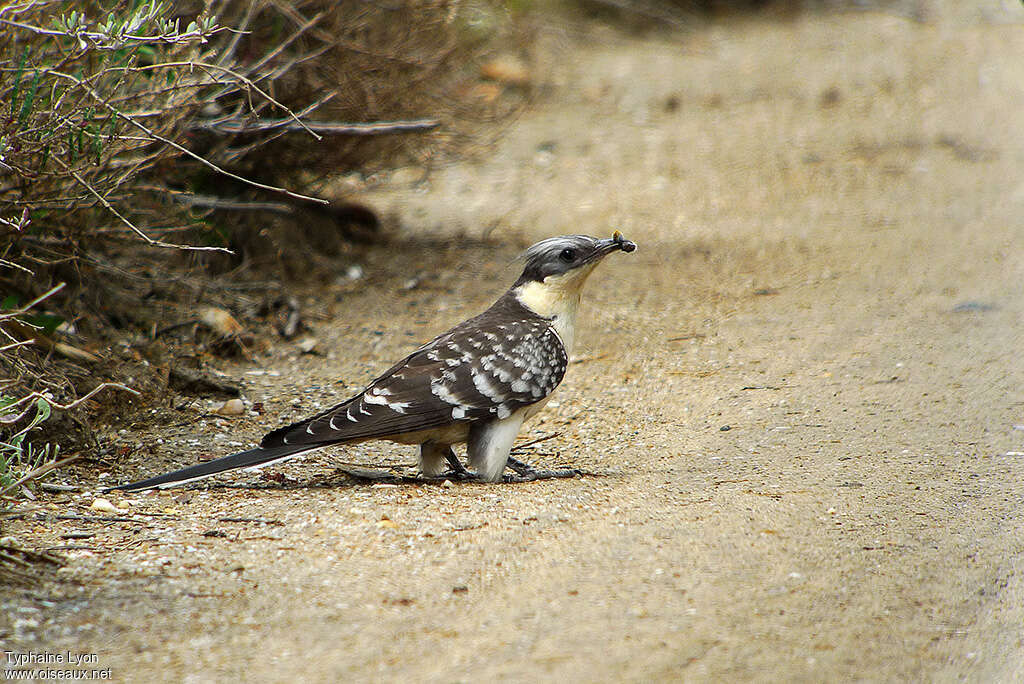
458	471
527	473
461	475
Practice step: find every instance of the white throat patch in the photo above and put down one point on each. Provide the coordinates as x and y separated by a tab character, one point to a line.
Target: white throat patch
557	298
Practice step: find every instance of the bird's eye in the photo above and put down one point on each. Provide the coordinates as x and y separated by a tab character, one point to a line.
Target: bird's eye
567	255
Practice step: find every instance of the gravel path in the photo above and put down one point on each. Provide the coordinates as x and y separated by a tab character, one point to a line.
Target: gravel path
799	403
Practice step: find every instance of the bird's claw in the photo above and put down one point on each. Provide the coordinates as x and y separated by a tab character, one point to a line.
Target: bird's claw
524	472
527	473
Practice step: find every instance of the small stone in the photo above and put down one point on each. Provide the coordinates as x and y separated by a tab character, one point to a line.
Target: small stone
830	97
389	524
231	407
104	506
220	321
507	69
448	483
307	345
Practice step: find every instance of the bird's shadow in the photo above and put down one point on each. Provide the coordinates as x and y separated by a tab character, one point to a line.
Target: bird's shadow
344	477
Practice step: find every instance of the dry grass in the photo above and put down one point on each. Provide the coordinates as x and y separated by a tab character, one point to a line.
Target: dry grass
128	129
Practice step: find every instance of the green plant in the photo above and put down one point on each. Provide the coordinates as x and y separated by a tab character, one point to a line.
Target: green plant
18	456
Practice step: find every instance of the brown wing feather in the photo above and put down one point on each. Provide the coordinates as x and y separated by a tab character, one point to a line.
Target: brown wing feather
487	367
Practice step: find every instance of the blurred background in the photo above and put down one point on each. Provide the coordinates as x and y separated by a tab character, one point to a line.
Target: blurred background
184	185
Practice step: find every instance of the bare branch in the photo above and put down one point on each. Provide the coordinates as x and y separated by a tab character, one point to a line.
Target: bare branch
235	126
230	72
135	229
25	6
39	472
46	295
16	344
183	150
117	42
222	203
66	407
10	264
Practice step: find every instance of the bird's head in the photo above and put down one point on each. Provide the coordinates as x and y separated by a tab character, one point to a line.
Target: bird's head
557	268
569	257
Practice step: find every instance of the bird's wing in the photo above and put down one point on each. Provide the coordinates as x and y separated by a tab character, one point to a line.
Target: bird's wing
477	370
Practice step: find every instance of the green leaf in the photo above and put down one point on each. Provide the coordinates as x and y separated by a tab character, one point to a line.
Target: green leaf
47	322
43	411
17	80
26	107
97	144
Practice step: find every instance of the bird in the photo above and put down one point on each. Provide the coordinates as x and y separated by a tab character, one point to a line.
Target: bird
476	383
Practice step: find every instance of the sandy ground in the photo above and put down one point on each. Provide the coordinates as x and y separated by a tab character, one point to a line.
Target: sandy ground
800	404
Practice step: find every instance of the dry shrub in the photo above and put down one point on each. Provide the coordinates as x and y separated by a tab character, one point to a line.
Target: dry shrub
388	84
124	125
363	62
101	113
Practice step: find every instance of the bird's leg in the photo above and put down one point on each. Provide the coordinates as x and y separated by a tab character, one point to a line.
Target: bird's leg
458	470
526	473
489	447
432	463
518	466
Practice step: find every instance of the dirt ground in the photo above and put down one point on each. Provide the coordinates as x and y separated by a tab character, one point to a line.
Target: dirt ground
799	405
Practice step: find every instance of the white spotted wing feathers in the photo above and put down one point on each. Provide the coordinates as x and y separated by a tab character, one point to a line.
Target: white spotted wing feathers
486	368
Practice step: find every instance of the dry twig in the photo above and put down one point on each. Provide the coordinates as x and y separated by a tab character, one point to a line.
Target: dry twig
39	472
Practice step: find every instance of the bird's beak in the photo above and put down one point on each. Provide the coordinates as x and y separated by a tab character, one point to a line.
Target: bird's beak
616	241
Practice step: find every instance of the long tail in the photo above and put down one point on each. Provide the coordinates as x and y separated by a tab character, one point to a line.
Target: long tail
252	459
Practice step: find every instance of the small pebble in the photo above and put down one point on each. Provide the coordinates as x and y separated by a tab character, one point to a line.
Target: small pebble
220	321
104	506
231	407
507	69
